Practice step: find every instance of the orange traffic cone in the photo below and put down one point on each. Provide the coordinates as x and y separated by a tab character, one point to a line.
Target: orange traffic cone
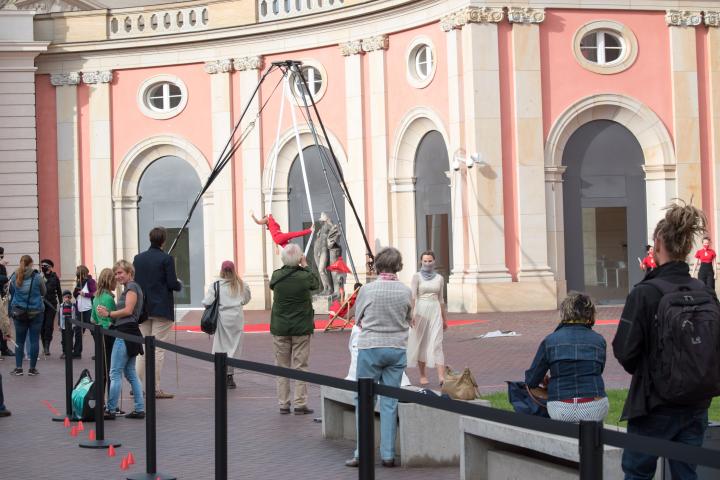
131	459
73	432
66	423
80	426
91	435
124	464
111	451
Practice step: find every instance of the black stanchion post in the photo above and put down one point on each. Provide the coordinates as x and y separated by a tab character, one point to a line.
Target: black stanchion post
591	451
67	350
366	429
99	388
150	419
221	470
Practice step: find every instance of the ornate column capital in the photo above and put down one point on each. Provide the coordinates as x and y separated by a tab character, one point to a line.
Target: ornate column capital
378	42
60	79
104	76
471	15
712	18
683	18
219	66
351	48
526	15
248	63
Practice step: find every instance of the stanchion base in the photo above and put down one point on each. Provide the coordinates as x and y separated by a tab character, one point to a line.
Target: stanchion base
99	444
151	476
60	419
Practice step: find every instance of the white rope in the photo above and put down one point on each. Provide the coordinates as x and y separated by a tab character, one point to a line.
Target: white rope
273	162
304	172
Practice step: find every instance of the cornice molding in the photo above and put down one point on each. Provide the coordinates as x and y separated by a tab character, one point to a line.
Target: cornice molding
348	49
219	66
61	79
526	15
459	19
378	42
103	76
683	18
712	18
243	64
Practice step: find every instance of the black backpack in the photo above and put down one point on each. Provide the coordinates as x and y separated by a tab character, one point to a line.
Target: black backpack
685	343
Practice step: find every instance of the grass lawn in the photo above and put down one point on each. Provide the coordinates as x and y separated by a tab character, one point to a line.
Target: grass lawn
617	400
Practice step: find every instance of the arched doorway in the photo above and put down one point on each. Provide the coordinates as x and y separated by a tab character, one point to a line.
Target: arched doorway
299	213
604	207
166	191
433	209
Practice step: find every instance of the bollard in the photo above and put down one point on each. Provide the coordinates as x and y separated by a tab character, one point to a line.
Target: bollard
67	340
99	388
591	451
366	429
150	419
221	470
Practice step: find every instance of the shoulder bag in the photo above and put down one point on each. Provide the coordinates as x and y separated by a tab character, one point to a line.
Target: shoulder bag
209	320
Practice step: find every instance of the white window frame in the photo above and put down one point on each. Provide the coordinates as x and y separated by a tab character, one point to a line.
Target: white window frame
317	96
601	49
415	77
628	43
147	86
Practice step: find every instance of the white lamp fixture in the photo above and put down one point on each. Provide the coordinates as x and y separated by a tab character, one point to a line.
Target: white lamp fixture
458	159
476	159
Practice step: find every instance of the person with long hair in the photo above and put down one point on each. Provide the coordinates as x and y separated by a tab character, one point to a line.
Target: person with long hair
27	289
105	296
85	288
429	320
646	410
233	295
124	319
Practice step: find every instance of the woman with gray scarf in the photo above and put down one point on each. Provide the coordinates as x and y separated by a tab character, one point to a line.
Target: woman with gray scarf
429	320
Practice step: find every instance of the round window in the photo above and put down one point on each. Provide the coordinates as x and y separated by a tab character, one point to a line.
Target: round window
421	62
602	47
162	97
311	83
605	47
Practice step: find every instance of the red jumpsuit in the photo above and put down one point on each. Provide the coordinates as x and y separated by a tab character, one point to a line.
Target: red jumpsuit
281	238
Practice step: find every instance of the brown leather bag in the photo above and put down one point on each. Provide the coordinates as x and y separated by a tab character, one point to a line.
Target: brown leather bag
460	386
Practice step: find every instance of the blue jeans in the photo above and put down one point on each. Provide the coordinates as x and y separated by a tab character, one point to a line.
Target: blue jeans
120	363
683	426
21	334
385	366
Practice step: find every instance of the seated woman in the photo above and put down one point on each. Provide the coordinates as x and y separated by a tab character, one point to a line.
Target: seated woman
277	235
575	356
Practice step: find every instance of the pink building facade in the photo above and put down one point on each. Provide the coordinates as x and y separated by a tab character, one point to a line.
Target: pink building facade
531	145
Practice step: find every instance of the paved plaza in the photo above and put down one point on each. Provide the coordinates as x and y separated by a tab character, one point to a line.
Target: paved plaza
262	443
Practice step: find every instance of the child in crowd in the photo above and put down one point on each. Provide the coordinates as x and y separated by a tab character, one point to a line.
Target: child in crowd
66	312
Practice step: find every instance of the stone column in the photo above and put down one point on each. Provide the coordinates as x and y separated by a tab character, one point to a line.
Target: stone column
556	226
223	235
686	121
100	168
376	47
712	20
403	206
256	269
18	157
68	171
529	153
458	178
355	172
125	212
660	187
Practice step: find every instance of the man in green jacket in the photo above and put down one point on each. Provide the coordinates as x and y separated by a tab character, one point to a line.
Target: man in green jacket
291	323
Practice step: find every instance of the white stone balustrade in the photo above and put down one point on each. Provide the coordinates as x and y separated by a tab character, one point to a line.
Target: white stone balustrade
269	10
158	22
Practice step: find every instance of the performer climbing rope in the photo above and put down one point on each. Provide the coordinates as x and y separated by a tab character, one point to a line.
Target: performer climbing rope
277	235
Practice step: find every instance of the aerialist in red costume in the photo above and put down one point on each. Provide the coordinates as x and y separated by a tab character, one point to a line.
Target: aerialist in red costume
277	235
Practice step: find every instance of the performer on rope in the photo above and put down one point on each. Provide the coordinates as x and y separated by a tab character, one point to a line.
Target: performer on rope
277	235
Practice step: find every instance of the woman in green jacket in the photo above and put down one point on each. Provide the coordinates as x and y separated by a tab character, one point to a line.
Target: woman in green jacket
291	323
105	296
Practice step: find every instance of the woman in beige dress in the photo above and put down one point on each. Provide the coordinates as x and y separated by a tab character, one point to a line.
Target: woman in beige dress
429	320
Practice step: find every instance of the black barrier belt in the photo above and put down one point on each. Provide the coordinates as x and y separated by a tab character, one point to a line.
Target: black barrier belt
188	352
110	333
662	448
309	377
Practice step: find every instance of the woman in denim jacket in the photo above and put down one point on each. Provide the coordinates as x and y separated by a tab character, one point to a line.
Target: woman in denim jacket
575	356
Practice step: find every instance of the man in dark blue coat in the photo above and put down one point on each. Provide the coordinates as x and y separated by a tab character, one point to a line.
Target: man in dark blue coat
155	273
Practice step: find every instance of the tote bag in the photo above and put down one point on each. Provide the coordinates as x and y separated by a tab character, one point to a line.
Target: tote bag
209	320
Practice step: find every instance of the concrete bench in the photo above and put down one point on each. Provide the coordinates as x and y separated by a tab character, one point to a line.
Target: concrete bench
493	451
426	436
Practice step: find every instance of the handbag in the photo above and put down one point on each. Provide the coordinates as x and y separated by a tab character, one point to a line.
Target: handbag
460	386
530	401
23	314
209	320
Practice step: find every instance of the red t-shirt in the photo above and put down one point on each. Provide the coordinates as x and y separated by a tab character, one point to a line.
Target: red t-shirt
705	255
649	262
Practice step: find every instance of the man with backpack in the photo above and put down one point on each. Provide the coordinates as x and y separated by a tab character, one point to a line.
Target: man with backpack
668	339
